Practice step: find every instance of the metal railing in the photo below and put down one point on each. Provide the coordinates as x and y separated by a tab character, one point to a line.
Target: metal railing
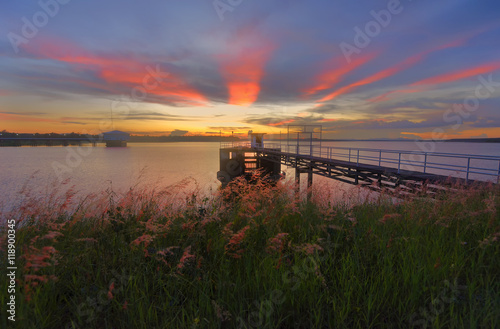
467	166
224	145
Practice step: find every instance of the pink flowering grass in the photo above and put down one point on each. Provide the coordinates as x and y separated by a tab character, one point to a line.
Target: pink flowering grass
256	255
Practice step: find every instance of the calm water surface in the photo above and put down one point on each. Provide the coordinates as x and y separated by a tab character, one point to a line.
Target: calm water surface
95	169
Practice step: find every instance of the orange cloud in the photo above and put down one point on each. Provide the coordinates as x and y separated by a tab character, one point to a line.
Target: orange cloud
493	132
170	84
412	60
386	95
244	66
24	118
375	77
281	123
459	74
443	78
118	71
6	92
407	63
331	76
64	51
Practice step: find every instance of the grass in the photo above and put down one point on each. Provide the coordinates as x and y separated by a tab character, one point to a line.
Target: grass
255	256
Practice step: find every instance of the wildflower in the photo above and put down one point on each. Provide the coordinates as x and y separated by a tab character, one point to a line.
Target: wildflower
146	238
125	305
49	250
233	247
276	243
32	277
238	237
40	258
353	220
32	280
490	239
209	245
309	248
389	217
110	291
86	240
56	226
186	257
140	215
490	204
227	230
222	314
294	206
189	226
167	251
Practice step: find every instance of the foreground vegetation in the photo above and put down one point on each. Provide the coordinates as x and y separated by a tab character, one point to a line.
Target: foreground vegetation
254	256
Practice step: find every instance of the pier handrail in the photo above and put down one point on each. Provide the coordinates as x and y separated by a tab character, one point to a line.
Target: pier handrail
464	165
224	145
421	161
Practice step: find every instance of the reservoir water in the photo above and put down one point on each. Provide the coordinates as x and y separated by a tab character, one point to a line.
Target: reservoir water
94	169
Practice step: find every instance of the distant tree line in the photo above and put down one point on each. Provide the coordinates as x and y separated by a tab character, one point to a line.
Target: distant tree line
133	138
6	134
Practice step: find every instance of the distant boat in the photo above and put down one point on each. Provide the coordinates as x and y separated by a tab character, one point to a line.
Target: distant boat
116	138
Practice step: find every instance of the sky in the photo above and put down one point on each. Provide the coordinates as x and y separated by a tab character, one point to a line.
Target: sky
361	69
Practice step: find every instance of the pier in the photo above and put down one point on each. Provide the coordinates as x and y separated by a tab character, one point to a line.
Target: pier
395	171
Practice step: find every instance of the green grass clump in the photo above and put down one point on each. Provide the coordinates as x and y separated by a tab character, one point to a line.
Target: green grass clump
255	256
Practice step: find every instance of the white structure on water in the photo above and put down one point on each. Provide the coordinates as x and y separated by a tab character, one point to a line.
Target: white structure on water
116	138
257	139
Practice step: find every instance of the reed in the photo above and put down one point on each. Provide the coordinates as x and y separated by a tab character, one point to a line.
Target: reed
257	256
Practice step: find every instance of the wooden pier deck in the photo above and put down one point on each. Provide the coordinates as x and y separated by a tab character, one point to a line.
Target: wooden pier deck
401	172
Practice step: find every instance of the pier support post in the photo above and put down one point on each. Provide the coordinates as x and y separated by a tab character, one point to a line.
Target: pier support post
309	183
297	180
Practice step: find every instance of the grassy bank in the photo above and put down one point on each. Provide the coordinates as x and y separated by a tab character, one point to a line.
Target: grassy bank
254	256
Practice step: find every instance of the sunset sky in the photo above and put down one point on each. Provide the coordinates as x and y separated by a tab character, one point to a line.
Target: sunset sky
361	69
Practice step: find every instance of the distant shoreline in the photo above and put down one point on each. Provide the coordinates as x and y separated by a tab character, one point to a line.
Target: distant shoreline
13	139
170	139
461	140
